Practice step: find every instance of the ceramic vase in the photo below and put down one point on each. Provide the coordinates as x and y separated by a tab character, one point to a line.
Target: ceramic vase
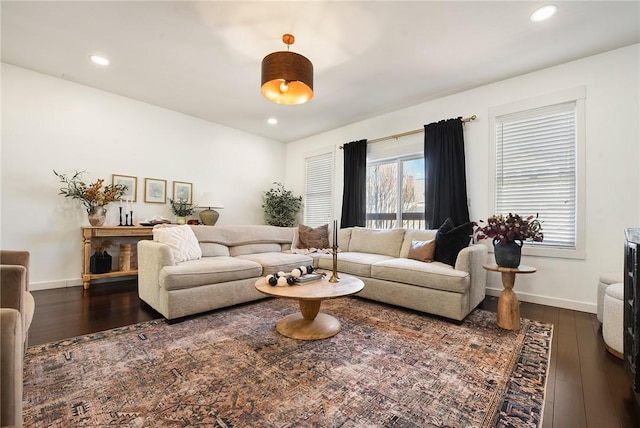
508	253
97	215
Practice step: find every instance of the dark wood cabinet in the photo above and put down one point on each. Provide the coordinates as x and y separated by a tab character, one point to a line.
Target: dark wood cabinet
632	310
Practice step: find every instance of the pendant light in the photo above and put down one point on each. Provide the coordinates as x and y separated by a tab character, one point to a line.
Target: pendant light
287	77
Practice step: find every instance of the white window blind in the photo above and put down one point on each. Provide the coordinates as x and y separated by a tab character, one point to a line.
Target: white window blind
318	195
536	158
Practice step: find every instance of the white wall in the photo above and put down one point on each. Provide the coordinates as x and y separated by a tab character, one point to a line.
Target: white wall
612	83
50	123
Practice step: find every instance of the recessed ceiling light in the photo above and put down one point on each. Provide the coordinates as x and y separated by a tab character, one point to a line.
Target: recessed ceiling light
99	60
272	121
545	12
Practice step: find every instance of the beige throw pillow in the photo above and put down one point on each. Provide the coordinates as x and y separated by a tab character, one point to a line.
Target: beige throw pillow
309	237
422	250
182	241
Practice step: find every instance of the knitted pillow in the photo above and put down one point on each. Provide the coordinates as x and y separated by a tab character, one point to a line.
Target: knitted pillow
181	239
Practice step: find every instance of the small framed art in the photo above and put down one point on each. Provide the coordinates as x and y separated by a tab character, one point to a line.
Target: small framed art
155	190
182	191
131	183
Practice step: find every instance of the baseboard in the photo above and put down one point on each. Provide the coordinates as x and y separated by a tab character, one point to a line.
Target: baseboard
75	282
549	301
49	285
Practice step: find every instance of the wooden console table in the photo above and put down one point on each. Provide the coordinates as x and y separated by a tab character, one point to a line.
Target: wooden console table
508	305
142	232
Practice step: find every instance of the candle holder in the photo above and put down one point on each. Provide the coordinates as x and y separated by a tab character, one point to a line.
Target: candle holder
334	276
120	224
126	219
131	218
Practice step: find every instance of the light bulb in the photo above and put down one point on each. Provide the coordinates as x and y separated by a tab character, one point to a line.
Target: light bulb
284	86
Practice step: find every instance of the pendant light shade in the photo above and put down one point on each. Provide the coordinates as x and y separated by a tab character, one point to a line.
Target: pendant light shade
287	77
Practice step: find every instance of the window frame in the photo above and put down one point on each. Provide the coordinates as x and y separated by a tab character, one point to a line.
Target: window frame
398	160
574	95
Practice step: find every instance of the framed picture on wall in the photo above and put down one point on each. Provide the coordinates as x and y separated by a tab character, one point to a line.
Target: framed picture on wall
131	183
155	190
182	191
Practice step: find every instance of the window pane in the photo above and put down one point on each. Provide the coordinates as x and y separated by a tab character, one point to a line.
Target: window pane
413	193
382	195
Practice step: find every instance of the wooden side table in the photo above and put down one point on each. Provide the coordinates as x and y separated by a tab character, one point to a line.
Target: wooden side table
508	305
142	232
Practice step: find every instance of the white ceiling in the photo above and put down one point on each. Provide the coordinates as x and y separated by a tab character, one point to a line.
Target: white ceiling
370	57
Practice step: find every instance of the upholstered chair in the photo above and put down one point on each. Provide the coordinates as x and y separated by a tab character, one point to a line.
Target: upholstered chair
14	287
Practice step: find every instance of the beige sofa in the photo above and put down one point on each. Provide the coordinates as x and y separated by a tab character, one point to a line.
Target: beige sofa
379	258
234	257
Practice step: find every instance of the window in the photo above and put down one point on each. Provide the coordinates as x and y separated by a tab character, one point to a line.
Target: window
318	196
538	170
395	193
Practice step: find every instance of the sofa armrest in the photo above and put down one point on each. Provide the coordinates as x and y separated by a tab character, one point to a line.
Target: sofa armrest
16	257
470	260
13	286
11	361
152	257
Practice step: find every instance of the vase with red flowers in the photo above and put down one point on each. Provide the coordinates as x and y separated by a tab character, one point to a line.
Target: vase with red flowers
509	233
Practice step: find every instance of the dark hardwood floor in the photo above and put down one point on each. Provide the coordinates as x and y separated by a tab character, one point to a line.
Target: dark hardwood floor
586	386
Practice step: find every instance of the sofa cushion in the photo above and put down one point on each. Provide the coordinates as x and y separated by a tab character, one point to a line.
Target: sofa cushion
208	270
436	275
278	261
344	238
241	250
180	239
351	262
309	237
423	251
210	249
375	241
450	239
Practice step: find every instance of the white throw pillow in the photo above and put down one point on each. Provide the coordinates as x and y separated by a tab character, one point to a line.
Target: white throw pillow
182	241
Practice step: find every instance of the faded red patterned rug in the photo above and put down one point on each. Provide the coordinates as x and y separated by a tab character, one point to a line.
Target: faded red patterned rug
388	367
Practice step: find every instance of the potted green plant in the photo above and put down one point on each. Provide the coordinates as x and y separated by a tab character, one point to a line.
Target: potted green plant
281	206
182	209
508	234
100	260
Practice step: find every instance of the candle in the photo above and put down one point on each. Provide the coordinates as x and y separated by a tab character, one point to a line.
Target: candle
120	203
335	233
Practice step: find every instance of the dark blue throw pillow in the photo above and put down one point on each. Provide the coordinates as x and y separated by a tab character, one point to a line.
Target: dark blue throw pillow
450	240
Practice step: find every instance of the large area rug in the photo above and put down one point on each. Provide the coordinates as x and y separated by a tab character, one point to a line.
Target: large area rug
388	367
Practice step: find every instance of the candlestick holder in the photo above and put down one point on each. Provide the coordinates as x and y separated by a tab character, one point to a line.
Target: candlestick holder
126	219
120	224
334	276
131	217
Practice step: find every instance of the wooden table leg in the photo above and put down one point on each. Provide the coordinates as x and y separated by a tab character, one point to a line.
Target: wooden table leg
508	305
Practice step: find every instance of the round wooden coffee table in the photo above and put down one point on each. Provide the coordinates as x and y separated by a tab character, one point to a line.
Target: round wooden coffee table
310	323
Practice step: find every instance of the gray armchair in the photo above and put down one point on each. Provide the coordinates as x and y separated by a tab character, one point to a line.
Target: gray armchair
17	307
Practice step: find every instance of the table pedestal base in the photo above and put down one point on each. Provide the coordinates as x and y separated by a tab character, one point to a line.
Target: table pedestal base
508	310
296	326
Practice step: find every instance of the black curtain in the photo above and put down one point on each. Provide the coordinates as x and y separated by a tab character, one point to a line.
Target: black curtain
354	196
446	187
